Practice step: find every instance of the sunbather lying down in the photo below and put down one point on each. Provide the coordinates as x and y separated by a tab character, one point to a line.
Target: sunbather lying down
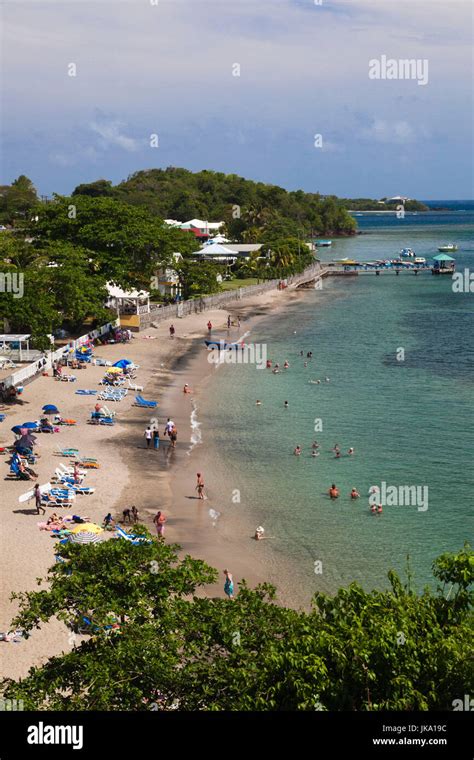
55	522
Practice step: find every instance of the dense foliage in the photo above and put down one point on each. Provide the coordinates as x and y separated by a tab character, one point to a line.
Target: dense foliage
253	211
358	650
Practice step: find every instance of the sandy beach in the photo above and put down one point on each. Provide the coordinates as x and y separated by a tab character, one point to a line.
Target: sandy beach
129	473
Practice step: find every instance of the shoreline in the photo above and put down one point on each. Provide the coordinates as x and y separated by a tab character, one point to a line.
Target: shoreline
129	473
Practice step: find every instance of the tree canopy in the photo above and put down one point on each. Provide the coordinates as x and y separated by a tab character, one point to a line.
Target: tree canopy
151	643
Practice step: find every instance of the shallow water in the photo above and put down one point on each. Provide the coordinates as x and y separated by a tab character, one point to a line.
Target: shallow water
410	421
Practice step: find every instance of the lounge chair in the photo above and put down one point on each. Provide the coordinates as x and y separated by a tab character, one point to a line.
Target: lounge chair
140	401
67	452
82	490
121	533
85	393
135	387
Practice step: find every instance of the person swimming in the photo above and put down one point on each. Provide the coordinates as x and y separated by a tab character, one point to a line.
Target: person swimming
286	405
258	402
350	451
373	509
286	364
315	454
297	451
337	454
315	445
355	494
379	509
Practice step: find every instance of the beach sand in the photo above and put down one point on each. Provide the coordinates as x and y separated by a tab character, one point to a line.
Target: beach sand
129	473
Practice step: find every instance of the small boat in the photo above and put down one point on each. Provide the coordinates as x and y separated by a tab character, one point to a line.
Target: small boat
448	248
420	260
323	243
407	253
222	345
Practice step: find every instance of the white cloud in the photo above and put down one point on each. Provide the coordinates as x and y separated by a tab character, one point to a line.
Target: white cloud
111	134
389	132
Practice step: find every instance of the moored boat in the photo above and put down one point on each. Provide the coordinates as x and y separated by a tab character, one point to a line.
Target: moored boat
448	248
323	243
407	253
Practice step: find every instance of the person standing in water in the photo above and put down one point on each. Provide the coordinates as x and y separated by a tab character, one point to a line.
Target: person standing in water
200	486
156	439
229	584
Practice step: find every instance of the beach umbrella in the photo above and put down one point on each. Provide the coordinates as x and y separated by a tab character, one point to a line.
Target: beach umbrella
50	409
16	430
84	538
25	442
122	363
87	528
29	425
114	370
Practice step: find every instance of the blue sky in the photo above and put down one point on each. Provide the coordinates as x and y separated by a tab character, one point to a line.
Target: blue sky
167	70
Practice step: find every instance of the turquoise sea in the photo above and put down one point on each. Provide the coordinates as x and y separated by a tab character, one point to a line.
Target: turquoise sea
410	422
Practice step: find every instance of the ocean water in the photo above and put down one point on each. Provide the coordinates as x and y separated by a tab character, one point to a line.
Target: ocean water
410	421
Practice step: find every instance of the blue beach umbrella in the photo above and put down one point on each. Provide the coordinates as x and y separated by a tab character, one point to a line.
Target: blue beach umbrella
30	425
16	429
122	363
50	409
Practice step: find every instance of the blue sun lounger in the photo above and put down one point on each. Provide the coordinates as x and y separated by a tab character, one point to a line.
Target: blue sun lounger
140	401
85	393
130	537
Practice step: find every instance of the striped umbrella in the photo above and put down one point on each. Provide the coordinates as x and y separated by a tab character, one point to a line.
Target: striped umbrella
85	537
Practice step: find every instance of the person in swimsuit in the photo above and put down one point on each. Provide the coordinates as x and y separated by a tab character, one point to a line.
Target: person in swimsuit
355	494
297	451
39	506
286	405
200	486
159	520
334	492
229	584
173	436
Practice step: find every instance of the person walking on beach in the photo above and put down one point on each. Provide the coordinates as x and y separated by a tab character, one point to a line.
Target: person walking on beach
169	426
37	494
126	515
173	436
229	322
172	331
148	436
134	514
159	520
229	584
209	326
200	486
156	439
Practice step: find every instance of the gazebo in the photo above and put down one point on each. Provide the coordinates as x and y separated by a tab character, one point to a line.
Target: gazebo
16	342
443	264
128	301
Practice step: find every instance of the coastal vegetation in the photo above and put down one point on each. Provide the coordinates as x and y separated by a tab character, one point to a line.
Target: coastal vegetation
69	248
149	643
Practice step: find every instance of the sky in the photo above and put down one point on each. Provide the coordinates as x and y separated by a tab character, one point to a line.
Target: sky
106	88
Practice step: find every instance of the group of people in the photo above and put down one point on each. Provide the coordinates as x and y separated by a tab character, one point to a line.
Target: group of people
298	450
152	435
